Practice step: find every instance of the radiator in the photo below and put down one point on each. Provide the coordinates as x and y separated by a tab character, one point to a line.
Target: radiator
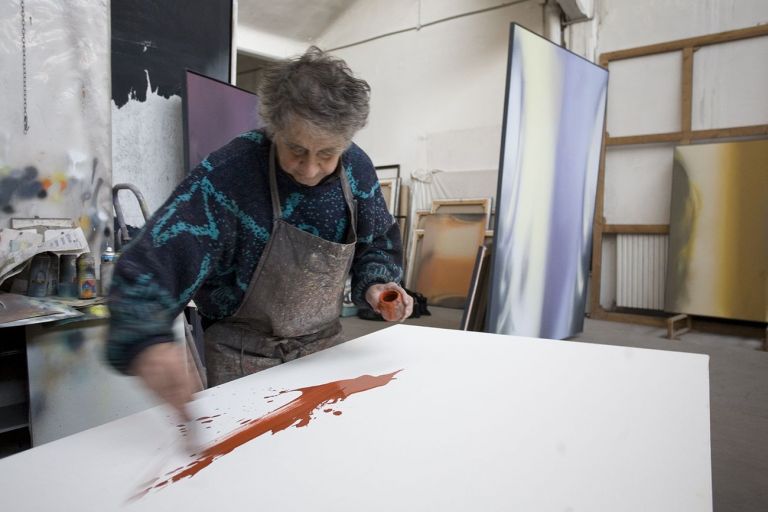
641	269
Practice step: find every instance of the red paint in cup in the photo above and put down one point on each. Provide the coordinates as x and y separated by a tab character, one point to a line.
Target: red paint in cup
391	305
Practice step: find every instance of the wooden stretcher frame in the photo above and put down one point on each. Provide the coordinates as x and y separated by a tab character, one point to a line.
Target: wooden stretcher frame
483	202
419	218
414	244
437	204
685	136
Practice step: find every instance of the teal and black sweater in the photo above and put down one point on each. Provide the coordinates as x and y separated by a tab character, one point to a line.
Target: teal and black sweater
204	243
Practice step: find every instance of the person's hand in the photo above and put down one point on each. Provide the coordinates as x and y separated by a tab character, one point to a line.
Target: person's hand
390	301
161	367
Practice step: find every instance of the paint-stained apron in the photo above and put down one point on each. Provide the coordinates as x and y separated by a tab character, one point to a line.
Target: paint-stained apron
292	305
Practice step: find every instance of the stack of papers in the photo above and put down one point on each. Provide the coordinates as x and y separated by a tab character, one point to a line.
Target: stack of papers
18	246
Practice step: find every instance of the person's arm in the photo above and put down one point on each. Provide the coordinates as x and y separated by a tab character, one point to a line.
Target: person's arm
377	267
379	275
155	278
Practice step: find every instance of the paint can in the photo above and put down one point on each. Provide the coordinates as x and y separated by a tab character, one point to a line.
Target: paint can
108	260
39	274
53	275
86	276
68	275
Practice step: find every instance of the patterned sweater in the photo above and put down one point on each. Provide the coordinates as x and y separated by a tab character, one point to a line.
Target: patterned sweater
206	240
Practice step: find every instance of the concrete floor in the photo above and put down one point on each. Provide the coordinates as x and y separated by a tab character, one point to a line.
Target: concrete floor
738	397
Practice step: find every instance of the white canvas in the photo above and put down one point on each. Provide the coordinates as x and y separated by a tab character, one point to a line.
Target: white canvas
541	425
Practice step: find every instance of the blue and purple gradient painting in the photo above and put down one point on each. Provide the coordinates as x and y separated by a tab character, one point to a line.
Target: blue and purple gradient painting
214	114
553	127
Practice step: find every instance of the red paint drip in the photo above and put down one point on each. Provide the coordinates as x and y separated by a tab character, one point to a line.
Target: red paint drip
296	412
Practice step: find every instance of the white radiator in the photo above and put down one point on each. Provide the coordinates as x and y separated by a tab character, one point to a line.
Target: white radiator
641	269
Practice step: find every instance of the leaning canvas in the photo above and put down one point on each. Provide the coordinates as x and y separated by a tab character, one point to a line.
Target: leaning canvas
214	113
446	258
552	134
718	233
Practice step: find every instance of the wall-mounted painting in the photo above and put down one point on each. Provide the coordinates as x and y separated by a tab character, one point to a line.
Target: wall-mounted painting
552	134
718	231
153	43
215	112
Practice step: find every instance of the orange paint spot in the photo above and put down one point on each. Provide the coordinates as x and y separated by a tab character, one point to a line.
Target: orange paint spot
46	183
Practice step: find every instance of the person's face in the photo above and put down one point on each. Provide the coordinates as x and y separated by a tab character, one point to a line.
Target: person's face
308	154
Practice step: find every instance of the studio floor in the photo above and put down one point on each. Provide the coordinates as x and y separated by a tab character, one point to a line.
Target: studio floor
738	396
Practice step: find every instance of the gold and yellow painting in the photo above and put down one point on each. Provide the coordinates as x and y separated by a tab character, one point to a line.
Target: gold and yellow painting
718	234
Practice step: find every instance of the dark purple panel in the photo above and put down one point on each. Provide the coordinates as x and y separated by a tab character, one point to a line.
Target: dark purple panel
215	113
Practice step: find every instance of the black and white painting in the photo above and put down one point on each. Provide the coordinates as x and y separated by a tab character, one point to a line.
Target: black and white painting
153	43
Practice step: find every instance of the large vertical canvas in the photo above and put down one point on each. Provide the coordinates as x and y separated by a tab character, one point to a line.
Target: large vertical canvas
718	233
214	112
552	133
153	43
60	166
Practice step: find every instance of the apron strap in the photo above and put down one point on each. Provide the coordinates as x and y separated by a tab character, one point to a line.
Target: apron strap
276	210
349	198
345	188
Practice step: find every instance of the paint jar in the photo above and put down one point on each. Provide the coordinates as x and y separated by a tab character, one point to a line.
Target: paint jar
39	274
53	275
108	260
390	305
86	276
68	275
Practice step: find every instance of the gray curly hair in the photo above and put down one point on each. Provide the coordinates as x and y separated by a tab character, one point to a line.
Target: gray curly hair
316	88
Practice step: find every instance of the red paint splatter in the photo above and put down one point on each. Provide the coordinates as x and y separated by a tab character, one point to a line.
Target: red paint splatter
297	412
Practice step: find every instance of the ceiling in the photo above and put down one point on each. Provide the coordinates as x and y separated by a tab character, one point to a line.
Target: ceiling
301	20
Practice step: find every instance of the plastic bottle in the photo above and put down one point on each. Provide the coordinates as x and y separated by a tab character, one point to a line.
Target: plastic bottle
108	259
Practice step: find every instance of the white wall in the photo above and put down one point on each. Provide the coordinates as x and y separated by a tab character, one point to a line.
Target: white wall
730	89
437	92
265	45
61	166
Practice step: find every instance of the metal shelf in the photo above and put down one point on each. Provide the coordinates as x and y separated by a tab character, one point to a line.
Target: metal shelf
13	417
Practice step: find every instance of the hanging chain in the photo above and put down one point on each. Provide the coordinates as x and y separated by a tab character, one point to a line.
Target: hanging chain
24	63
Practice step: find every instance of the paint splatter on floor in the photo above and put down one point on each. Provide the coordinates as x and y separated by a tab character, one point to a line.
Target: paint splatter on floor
298	412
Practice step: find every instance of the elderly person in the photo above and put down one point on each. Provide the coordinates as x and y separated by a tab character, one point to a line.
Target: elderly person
262	234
